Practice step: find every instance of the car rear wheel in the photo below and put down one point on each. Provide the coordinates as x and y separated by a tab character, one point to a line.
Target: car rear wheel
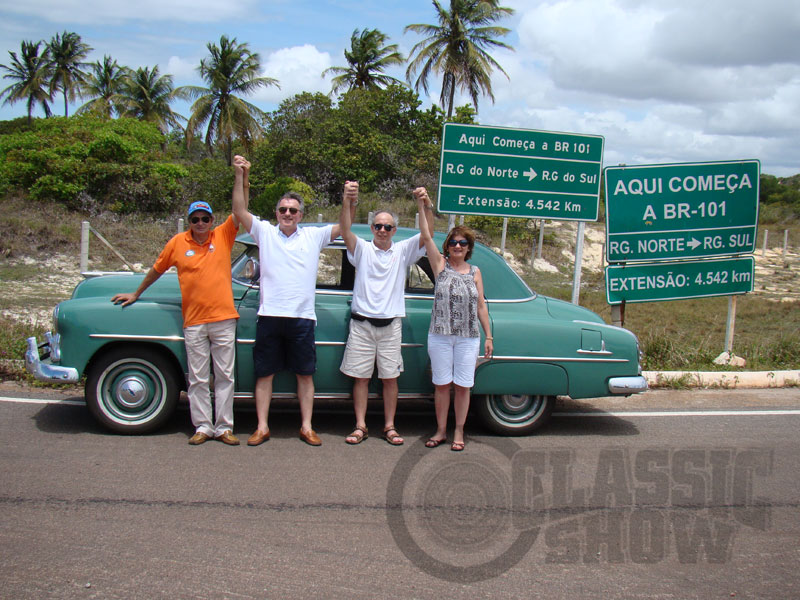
514	414
132	390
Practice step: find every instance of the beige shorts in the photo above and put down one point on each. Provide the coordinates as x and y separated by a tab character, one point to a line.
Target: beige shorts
368	344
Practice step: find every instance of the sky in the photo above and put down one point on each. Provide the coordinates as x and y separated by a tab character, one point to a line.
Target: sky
662	81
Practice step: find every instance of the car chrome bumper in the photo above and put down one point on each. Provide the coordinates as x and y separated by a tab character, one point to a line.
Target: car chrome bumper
45	371
627	385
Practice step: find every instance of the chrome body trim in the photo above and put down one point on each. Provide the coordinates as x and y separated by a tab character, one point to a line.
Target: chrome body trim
45	371
145	338
556	359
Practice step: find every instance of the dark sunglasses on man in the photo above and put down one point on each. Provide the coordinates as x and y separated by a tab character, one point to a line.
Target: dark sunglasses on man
386	227
196	220
462	243
291	209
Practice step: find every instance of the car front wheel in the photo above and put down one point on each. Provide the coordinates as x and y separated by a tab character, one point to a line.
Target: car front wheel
514	414
132	390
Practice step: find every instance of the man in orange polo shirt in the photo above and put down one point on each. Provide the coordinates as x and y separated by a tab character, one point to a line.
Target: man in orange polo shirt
202	256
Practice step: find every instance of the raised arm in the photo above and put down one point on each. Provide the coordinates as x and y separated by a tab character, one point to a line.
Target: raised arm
239	203
483	316
349	201
130	298
426	230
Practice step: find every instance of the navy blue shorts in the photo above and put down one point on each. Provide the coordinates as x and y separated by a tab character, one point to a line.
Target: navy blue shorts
284	343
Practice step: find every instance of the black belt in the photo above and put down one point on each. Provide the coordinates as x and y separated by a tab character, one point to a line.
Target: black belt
374	321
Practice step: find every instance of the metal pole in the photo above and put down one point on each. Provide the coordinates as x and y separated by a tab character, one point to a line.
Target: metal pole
541	239
416	221
181	226
84	258
766	235
729	324
503	239
785	242
319	217
370	217
576	280
451	222
461	220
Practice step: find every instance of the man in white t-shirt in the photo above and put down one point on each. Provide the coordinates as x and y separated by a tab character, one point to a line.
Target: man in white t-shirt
377	310
289	256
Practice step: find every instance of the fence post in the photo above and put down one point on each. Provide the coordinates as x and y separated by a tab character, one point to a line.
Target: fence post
416	221
541	239
785	242
319	217
766	235
181	225
503	239
84	259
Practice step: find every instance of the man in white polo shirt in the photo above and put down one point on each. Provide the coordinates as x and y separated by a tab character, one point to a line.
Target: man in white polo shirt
377	309
289	256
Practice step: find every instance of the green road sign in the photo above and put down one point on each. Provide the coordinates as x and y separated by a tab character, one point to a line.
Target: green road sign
690	210
679	280
505	172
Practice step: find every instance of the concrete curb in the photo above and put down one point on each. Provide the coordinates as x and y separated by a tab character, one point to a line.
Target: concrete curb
724	379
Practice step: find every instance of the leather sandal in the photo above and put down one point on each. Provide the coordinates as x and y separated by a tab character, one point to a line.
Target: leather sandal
359	435
390	435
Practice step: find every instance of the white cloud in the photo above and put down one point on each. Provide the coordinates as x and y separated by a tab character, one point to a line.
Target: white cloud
297	69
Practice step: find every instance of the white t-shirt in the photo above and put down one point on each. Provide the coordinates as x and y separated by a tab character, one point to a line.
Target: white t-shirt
381	277
288	268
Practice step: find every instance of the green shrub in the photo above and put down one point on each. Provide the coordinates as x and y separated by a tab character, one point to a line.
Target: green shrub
268	196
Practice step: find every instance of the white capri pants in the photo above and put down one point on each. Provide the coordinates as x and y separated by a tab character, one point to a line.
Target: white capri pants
453	359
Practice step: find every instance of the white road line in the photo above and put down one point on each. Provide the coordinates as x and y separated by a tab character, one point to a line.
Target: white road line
757	412
42	401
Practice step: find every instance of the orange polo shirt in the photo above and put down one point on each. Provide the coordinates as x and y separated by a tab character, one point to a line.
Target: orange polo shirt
204	273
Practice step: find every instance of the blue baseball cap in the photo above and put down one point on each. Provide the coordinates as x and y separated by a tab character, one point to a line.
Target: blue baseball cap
199	205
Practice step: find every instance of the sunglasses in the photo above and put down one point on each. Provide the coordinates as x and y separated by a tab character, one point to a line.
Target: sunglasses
378	226
196	220
462	243
291	210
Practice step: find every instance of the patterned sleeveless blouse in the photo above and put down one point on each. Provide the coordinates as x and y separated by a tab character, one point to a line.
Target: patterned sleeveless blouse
455	303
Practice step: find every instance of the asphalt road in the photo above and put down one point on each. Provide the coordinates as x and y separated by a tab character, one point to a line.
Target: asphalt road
667	495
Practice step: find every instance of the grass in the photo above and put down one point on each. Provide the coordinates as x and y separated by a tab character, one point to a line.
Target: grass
678	335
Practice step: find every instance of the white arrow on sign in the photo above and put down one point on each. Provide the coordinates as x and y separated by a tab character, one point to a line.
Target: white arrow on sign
530	174
693	244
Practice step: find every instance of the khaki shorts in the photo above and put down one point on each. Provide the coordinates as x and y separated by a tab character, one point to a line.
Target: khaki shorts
368	344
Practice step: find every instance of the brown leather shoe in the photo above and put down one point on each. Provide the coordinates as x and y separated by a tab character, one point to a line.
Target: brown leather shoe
310	437
227	437
199	438
257	438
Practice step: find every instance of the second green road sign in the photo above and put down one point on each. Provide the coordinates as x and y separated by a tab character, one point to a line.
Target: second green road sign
690	210
505	172
679	280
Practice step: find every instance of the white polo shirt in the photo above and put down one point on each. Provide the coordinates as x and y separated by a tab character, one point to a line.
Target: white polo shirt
288	268
381	277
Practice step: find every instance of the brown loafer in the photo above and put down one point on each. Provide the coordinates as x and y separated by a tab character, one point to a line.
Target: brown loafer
257	438
199	438
310	437
227	437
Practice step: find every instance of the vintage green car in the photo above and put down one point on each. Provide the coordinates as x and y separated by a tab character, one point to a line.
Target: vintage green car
135	362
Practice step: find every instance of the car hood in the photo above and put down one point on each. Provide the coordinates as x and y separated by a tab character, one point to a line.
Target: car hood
109	285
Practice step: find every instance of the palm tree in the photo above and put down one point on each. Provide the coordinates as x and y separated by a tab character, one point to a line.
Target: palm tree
146	95
366	59
31	73
457	47
104	85
231	71
67	52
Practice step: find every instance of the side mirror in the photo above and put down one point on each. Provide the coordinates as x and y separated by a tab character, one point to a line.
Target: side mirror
252	270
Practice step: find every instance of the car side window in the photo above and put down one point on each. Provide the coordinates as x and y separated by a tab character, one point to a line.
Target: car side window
334	271
420	278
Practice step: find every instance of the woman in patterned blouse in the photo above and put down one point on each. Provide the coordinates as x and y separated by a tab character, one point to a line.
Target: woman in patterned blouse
454	338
